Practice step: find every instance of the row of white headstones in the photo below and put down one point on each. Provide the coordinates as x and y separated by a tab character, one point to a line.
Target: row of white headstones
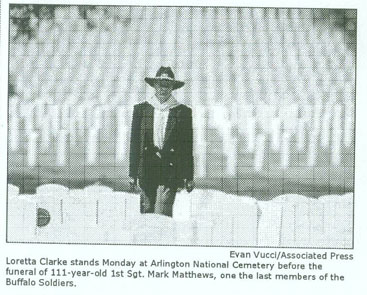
330	127
57	67
97	214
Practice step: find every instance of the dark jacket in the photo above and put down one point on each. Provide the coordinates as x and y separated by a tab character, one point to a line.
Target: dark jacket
174	163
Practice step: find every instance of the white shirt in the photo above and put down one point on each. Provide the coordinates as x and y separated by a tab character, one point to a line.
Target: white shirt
160	124
161	112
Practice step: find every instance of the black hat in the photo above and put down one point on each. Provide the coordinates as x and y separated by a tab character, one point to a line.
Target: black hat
165	74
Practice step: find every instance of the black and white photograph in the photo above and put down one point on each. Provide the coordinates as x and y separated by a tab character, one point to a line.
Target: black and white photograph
181	125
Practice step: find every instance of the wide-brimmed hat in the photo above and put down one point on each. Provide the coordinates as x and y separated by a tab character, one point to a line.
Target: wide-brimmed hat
165	74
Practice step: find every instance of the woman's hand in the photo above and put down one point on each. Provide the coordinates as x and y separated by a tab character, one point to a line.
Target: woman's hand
189	185
133	182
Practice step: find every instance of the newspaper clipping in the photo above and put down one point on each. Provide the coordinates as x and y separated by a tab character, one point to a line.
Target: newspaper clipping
174	147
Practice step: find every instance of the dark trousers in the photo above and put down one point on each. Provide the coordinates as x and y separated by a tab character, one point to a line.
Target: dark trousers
157	199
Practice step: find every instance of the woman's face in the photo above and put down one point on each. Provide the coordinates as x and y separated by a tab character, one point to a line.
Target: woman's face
163	90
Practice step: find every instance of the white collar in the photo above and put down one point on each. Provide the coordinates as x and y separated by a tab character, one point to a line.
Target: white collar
167	105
